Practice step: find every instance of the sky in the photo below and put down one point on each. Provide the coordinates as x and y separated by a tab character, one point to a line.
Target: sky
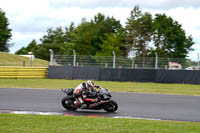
30	19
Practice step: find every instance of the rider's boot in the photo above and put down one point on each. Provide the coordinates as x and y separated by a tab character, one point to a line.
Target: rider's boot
80	105
83	106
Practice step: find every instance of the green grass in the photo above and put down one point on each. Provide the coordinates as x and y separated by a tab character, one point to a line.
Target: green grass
10	123
180	89
16	60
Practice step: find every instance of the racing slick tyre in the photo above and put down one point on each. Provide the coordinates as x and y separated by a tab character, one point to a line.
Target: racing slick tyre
67	103
111	106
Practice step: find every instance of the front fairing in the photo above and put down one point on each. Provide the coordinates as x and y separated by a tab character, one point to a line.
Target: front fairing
104	93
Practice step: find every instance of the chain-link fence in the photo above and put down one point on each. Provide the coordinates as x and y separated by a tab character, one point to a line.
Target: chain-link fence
122	62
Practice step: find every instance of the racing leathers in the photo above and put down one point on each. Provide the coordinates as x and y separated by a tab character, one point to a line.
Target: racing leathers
81	95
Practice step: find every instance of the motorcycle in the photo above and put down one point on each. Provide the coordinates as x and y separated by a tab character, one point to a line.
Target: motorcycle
105	102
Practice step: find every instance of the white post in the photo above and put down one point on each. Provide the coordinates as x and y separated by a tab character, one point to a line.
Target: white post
135	66
106	65
133	63
114	60
51	56
74	52
31	54
156	62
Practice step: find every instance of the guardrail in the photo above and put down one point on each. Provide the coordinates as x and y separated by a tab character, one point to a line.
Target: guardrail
23	72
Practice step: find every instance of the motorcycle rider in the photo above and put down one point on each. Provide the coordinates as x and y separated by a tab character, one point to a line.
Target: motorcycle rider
81	93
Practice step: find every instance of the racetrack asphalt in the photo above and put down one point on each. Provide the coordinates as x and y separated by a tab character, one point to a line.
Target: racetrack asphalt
152	106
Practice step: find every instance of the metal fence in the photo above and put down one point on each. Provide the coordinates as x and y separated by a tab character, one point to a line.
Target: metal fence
122	62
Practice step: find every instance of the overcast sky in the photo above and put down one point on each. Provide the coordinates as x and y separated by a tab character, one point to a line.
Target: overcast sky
30	19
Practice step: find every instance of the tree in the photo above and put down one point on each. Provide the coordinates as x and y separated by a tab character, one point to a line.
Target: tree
69	33
55	39
53	36
169	38
166	34
5	32
59	40
104	26
113	42
32	47
84	38
139	26
89	36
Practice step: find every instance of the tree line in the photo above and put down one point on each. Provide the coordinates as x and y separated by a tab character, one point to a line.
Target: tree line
143	33
5	32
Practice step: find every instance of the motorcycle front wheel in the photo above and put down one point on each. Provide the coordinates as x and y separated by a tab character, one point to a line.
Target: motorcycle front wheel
67	102
111	106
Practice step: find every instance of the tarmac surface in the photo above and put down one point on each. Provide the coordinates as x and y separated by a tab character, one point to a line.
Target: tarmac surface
131	105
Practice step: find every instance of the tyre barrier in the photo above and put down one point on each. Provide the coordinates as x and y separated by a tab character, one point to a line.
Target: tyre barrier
23	72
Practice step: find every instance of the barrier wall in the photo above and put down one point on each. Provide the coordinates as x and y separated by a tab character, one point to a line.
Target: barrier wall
178	76
68	72
23	72
137	75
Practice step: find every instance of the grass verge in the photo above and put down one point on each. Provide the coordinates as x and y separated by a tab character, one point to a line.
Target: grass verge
16	60
11	123
178	89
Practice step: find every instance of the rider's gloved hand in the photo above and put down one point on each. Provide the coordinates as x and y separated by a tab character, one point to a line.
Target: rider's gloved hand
97	86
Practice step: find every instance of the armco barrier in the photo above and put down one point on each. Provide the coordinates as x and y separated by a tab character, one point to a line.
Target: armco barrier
23	72
137	75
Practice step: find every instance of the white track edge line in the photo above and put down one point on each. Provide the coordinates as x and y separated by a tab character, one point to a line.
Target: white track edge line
141	118
56	113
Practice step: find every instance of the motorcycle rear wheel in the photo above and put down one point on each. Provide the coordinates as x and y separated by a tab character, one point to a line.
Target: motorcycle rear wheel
67	102
111	106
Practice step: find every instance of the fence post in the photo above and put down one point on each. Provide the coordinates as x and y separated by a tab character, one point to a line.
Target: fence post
24	63
106	65
74	64
31	54
135	66
114	59
51	56
133	63
156	62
